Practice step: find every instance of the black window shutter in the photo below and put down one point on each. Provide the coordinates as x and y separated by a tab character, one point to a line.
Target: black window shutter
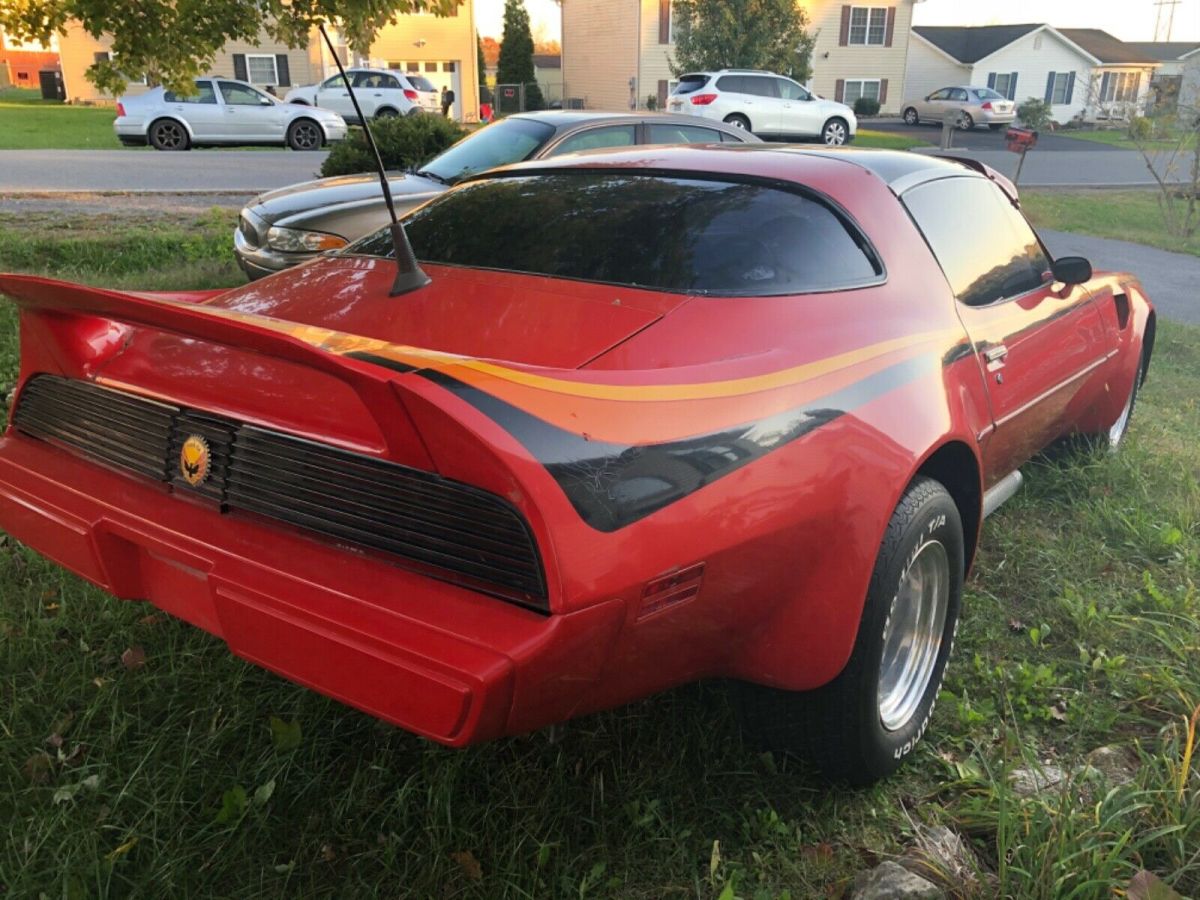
1050	88
992	80
1070	88
664	21
281	69
1012	86
844	33
239	67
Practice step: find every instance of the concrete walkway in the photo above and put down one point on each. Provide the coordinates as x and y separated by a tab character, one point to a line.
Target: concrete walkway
1171	280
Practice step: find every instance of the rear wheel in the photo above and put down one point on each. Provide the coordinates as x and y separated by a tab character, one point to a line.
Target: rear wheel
965	122
305	134
386	112
862	725
835	133
911	117
737	120
168	134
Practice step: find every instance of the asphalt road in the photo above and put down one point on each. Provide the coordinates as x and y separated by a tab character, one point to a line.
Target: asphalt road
148	170
1170	279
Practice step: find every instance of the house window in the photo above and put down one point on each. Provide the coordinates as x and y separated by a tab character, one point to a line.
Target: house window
261	69
860	87
430	67
1120	87
1058	92
447	67
1037	42
412	67
1004	84
868	26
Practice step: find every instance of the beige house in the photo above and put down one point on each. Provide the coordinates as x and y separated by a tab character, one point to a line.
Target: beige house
440	48
267	64
617	53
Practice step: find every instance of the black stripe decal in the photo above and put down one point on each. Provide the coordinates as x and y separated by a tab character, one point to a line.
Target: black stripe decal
613	485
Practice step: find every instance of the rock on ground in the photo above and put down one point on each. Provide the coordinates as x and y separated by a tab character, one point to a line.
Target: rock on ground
891	881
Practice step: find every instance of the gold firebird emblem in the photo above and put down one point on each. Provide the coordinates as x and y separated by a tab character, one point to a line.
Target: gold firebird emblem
194	460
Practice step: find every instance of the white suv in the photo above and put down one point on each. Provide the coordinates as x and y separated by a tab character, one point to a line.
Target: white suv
380	92
767	104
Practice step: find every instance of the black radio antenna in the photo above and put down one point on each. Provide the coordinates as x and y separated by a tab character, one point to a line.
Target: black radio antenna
409	274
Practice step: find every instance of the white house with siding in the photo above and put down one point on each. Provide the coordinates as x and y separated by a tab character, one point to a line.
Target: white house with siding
616	54
1083	73
1177	83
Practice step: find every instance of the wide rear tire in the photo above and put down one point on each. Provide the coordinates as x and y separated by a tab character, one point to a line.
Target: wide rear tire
169	135
863	725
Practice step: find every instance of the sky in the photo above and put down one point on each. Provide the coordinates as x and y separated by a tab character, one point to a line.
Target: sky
1130	20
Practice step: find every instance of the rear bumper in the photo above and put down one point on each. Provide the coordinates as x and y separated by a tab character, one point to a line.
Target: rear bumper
430	657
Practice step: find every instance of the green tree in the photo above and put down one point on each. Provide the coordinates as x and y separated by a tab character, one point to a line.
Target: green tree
174	41
742	34
485	96
516	54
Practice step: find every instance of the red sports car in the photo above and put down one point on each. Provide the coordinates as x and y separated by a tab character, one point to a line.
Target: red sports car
659	415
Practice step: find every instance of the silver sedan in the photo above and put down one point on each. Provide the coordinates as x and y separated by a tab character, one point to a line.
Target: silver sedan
222	111
974	106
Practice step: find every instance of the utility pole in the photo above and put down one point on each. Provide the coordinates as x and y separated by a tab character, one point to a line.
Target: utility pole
1161	33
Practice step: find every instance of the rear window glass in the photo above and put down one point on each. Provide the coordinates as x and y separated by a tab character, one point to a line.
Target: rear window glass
421	83
641	230
689	84
988	94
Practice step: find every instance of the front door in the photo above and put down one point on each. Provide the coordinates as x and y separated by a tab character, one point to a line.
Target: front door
1041	346
332	94
253	116
799	114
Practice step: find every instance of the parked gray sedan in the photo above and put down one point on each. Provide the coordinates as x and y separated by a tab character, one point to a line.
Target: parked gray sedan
293	224
974	105
222	111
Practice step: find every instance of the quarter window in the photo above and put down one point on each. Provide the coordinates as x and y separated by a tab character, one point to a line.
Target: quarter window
868	25
597	139
682	134
649	231
261	69
983	243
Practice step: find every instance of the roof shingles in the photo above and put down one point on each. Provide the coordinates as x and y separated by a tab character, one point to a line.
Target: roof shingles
969	45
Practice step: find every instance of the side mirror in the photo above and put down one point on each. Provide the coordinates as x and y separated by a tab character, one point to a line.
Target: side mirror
1072	270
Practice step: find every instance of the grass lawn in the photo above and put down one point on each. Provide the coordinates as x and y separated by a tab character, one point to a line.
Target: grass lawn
1124	215
29	123
865	137
1117	137
196	774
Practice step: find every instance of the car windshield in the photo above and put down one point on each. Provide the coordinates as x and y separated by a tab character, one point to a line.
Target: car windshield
507	141
988	94
662	232
689	84
421	83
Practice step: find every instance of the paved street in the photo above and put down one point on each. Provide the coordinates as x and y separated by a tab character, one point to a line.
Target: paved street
148	170
1072	168
1170	279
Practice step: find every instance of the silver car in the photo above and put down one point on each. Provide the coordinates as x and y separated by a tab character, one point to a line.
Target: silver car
294	224
974	106
222	111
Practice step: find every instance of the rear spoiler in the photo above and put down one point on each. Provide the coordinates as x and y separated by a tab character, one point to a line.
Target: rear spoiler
331	352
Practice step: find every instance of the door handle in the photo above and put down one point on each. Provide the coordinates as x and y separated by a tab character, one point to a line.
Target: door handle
996	354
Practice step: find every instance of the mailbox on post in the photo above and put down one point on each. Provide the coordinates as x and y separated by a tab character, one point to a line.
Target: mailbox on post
1020	140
